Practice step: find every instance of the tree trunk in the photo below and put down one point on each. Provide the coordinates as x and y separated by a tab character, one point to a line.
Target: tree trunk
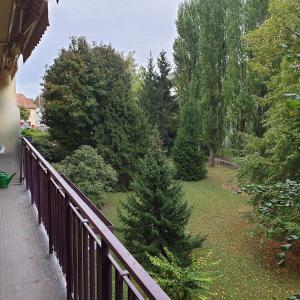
211	158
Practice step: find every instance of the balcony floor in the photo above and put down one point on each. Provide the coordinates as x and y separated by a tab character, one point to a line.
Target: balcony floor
27	271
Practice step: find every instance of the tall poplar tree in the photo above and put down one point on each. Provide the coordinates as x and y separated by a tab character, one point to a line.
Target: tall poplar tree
241	87
212	67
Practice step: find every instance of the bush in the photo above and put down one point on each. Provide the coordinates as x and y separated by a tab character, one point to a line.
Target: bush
43	142
277	211
88	171
277	207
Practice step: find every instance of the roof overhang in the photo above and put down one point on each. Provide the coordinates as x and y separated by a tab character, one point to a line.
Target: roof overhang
22	25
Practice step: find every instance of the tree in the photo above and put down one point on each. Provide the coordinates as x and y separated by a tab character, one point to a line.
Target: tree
124	135
275	45
212	64
24	113
188	157
149	96
199	53
181	283
88	100
155	215
169	104
88	171
156	100
240	105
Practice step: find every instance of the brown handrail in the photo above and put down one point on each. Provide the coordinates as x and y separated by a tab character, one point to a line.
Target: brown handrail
32	159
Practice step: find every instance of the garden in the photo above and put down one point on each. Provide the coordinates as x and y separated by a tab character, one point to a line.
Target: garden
141	143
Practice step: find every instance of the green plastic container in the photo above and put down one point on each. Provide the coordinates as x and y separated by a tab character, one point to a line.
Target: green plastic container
5	179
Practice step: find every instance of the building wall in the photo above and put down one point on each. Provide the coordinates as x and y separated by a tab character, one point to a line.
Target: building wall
32	117
9	117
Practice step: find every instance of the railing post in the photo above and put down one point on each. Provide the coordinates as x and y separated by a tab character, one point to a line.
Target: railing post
68	248
21	161
49	212
106	273
38	192
31	178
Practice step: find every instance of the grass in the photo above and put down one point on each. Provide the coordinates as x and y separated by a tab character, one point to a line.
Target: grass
242	272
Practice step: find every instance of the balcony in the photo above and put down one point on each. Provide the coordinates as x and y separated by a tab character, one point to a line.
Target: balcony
56	245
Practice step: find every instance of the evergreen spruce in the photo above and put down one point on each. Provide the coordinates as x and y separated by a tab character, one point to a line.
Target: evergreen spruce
155	215
149	96
188	158
168	113
156	100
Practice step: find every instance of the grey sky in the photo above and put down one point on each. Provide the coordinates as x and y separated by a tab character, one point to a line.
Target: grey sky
129	25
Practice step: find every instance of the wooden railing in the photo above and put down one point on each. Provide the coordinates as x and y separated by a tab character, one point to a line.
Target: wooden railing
82	239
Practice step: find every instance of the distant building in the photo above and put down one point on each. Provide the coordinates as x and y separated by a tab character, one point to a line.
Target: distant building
22	101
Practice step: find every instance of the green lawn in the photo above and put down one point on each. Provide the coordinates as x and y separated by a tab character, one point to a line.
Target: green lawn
220	213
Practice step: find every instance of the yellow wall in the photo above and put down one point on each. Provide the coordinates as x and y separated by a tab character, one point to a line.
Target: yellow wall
9	116
32	117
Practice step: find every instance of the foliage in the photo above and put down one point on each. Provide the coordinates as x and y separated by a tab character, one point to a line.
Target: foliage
199	55
155	215
189	160
242	272
24	113
294	297
88	171
277	210
44	143
181	283
241	86
156	100
275	45
89	100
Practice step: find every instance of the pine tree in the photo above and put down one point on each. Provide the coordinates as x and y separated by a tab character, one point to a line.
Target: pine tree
149	96
156	100
168	113
188	157
155	214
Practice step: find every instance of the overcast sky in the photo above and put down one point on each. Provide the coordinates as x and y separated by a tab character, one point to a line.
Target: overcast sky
129	25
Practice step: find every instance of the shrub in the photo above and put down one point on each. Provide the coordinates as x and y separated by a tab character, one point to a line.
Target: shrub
88	171
277	211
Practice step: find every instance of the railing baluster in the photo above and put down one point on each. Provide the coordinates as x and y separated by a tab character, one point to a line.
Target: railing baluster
99	273
106	272
118	285
75	256
68	230
49	200
80	263
85	264
92	267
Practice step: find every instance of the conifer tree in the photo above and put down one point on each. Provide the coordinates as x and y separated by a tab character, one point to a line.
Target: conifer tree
156	100
155	215
149	96
188	157
169	105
